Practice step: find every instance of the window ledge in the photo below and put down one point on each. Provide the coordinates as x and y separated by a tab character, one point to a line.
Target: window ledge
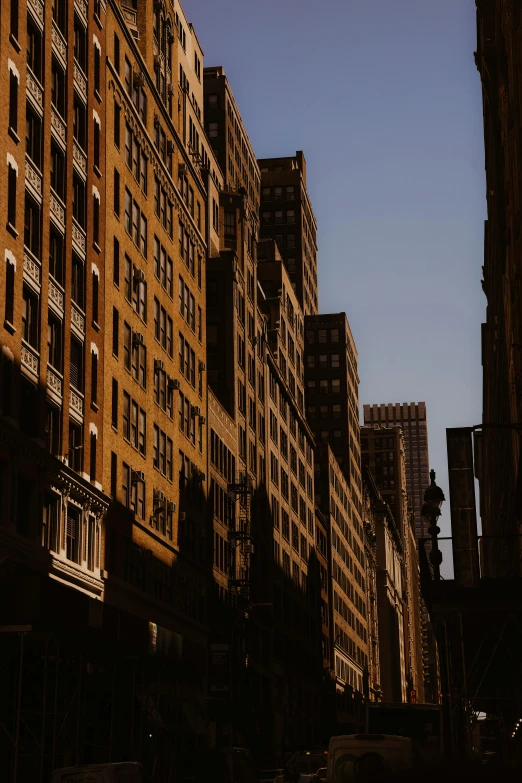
14	135
15	43
98	21
95	326
95	407
96	247
97	171
9	327
12	230
97	92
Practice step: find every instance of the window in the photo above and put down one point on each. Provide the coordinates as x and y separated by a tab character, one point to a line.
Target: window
75	457
230	225
58	171
80	123
80	44
54	342
30	317
76	364
117	125
52	430
114	405
56	255
13	102
79	200
11	195
13	27
97	68
96	144
59	90
290	240
78	281
334	360
213	130
126	415
116	262
72	533
94	377
290	216
116	53
9	294
95	220
162	452
50	522
92	467
32	227
33	137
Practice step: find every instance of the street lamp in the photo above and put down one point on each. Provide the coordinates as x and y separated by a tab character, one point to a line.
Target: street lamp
431	510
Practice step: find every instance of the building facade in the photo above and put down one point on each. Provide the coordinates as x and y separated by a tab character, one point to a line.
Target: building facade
348	604
383	453
412	418
287	216
498	446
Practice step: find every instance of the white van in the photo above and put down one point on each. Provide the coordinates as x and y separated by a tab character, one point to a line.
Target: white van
358	757
120	772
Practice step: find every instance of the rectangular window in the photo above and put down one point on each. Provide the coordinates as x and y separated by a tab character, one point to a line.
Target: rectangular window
116	53
92	470
54	342
11	196
97	69
117	192
94	377
13	102
76	366
32	226
115	393
30	315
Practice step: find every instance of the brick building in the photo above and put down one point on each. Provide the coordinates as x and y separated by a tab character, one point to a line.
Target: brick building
287	216
498	464
383	453
412	418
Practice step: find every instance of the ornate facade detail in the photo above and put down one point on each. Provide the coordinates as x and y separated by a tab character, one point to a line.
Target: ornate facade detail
33	178
32	268
58	127
59	45
34	90
37	10
78	238
80	82
79	159
56	296
54	382
76	402
81	8
57	211
77	319
29	359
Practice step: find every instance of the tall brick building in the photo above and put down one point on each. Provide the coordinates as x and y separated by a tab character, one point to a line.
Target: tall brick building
498	463
287	216
412	418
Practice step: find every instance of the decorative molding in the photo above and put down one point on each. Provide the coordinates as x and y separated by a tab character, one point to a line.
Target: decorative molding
30	359
79	159
54	382
78	238
56	296
80	81
76	402
77	319
58	127
57	211
32	268
34	90
33	178
81	8
59	45
37	9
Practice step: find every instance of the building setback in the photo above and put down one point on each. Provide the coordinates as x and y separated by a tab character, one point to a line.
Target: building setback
413	420
287	216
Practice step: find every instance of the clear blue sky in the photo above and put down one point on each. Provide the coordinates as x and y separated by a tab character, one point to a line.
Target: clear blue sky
384	99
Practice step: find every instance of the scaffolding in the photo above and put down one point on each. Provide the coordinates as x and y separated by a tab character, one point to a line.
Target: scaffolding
64	704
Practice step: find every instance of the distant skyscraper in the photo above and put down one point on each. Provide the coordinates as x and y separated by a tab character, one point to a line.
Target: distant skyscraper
413	420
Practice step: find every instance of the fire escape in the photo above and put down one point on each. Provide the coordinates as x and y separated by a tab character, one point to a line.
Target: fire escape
240	541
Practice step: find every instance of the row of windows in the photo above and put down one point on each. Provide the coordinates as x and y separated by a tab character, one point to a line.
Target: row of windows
323	361
322	336
223	506
278	217
187	308
325	411
222	458
324	386
339	576
278	192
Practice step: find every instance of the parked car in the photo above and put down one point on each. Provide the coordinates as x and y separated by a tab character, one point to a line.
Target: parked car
271	775
320	776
